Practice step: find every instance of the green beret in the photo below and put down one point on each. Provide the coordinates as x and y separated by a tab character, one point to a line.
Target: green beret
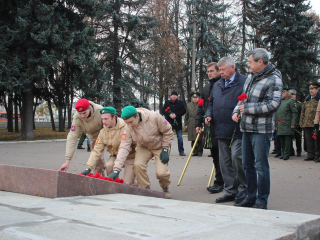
111	110
128	112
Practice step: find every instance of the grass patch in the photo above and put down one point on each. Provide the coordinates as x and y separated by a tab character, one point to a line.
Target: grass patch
40	134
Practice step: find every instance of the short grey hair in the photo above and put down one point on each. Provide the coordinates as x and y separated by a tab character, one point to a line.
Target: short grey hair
259	53
226	60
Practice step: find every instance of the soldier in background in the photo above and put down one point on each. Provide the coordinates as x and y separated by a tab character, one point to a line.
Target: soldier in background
308	113
286	119
192	108
298	133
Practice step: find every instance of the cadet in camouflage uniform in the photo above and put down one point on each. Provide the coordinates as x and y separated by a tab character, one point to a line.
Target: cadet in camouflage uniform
286	119
192	109
110	138
153	134
86	119
308	113
297	134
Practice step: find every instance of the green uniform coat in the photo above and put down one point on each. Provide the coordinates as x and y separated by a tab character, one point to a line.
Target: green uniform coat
190	117
286	116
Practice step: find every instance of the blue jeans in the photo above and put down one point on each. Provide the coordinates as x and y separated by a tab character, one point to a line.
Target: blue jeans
255	151
180	141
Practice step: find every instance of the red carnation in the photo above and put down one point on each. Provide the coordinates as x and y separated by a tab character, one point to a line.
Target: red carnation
278	121
281	119
242	97
166	110
208	98
200	102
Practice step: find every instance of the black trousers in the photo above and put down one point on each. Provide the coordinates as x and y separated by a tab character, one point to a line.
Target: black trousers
215	156
198	149
312	146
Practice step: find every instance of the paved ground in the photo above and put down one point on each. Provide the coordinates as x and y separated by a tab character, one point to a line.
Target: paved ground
121	216
294	183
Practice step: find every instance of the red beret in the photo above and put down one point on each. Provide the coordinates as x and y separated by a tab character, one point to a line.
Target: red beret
82	105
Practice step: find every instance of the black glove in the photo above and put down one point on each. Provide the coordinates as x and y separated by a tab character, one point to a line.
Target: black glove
86	172
114	175
164	156
316	127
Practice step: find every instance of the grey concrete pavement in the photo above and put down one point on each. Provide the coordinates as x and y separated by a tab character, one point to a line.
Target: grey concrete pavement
294	183
120	216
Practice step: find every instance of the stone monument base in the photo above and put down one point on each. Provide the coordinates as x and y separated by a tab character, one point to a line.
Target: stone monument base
54	184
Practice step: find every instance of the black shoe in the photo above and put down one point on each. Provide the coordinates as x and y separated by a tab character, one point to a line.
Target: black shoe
210	155
298	154
285	158
80	147
273	152
244	203
317	161
215	188
316	158
228	197
277	155
194	154
260	206
182	154
200	154
240	197
281	157
309	159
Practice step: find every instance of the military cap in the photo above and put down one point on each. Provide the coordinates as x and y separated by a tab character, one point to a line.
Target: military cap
82	105
293	91
195	94
128	112
174	93
313	84
111	110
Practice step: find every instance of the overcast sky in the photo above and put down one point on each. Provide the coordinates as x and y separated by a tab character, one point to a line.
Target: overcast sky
315	4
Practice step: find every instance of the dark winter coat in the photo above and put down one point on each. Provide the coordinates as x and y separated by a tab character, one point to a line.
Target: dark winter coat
286	115
177	108
206	90
222	102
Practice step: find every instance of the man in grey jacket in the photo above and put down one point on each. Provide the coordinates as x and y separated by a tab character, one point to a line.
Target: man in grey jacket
264	91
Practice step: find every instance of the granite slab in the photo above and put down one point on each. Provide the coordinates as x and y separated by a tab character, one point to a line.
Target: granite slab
54	184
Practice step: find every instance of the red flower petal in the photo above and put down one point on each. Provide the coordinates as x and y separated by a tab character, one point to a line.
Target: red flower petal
281	119
200	102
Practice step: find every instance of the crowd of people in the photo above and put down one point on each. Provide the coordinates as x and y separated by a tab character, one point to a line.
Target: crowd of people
237	118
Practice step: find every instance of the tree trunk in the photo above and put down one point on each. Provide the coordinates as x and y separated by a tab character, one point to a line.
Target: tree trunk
51	114
27	114
16	114
116	68
61	120
34	113
10	113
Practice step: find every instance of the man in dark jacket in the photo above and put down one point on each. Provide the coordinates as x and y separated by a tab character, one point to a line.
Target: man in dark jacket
214	76
223	99
173	110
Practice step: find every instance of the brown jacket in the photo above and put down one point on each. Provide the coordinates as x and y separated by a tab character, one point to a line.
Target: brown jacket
110	139
153	132
308	113
91	126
